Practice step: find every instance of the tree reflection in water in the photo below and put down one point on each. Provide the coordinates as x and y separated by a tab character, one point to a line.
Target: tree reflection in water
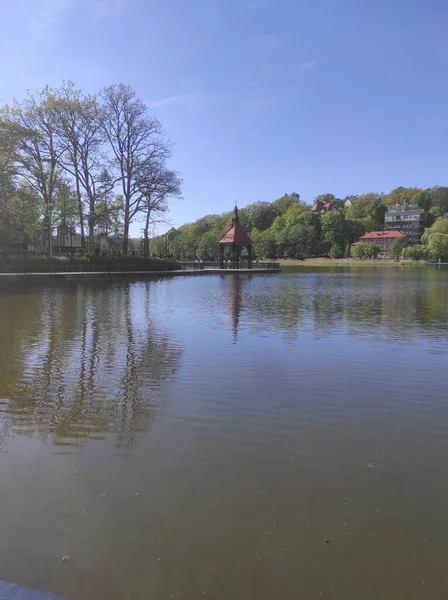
384	301
82	360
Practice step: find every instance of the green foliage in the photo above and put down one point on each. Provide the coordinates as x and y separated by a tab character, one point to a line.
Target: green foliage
334	229
373	251
260	216
286	228
368	224
418	252
359	250
400	195
440	226
265	245
369	206
436	239
438	246
355	229
13	263
439	201
364	250
336	251
284	203
396	248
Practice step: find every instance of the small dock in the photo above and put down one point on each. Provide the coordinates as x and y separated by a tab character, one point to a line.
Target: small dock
215	267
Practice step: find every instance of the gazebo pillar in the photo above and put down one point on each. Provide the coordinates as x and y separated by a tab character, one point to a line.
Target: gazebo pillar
249	257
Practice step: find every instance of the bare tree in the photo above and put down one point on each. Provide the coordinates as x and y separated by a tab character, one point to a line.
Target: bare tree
157	185
136	140
36	155
81	139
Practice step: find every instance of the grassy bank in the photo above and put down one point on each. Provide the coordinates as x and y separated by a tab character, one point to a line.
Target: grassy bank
88	264
346	262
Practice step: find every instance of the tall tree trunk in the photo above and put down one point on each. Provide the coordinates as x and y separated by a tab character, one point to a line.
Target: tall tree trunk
49	232
126	227
146	235
91	225
80	207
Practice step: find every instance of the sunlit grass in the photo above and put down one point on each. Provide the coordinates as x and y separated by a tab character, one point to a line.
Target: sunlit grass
347	262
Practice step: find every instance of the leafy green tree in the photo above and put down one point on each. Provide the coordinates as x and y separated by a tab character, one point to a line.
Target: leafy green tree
312	234
396	248
336	251
418	252
284	203
265	245
417	196
364	250
439	201
373	250
439	226
292	241
334	229
368	224
438	246
30	127
355	229
370	206
359	250
259	215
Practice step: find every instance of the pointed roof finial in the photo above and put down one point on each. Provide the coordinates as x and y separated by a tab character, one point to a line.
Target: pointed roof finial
236	218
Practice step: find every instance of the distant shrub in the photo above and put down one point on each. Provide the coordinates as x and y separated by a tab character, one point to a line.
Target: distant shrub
364	250
336	251
419	252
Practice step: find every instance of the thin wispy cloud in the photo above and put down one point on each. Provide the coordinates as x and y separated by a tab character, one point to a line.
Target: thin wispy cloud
307	65
43	20
190	100
254	103
271	41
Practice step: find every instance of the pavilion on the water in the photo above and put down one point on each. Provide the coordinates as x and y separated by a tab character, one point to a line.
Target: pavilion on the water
235	239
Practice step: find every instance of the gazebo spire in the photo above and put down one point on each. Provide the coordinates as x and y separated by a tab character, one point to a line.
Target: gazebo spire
235	218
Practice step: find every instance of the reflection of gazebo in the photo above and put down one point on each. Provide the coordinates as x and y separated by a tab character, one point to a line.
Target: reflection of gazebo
235	238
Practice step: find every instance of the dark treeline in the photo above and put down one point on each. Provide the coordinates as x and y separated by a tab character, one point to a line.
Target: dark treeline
287	228
96	163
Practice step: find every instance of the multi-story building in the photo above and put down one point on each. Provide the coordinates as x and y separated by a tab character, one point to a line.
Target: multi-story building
410	219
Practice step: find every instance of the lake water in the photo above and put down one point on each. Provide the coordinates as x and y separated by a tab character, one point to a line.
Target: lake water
260	437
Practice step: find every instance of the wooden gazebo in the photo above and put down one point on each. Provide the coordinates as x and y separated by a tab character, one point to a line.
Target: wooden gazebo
235	238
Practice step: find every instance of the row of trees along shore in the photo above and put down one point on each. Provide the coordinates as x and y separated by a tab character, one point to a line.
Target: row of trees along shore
286	228
97	163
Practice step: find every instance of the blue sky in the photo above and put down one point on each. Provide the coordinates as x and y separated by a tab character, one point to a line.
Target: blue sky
260	97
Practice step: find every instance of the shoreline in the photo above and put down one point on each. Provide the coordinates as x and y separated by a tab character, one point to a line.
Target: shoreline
122	274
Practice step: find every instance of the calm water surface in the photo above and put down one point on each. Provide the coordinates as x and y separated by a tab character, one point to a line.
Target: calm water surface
265	437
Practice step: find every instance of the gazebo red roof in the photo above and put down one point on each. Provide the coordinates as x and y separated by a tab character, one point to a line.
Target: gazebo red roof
236	234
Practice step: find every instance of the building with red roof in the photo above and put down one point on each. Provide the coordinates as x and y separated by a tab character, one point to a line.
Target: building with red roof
383	239
322	208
